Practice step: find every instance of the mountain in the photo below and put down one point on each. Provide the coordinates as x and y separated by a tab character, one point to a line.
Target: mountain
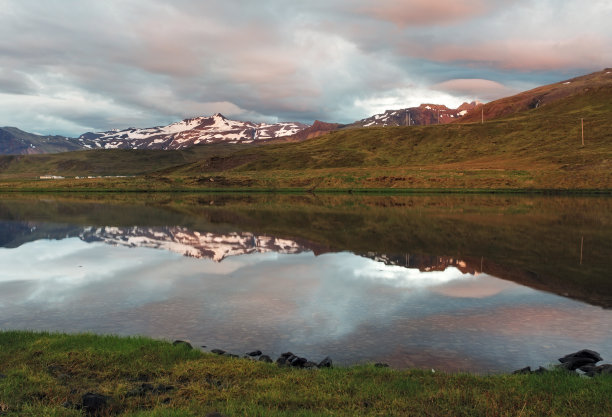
190	132
425	114
541	96
14	141
317	129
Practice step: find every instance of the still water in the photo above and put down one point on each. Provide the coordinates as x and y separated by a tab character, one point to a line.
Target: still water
476	283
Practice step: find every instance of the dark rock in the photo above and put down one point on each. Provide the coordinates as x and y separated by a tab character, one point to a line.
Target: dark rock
255	353
281	361
604	369
591	367
218	351
597	370
326	363
182	343
571	364
540	370
381	365
526	370
231	355
310	365
286	355
582	354
297	362
93	403
265	358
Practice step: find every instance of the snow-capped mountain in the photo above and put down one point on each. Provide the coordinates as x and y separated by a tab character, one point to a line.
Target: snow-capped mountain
425	114
189	132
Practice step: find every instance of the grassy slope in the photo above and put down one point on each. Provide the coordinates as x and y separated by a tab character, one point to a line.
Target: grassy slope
540	96
106	162
44	371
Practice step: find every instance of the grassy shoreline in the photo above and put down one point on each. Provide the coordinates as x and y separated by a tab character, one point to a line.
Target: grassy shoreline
155	188
47	374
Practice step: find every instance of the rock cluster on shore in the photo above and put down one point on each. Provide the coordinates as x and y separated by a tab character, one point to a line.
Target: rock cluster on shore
285	359
583	362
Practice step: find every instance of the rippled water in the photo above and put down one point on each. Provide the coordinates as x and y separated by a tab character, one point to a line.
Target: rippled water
476	283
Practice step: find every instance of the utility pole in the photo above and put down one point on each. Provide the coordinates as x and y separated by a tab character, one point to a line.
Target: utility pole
482	115
582	126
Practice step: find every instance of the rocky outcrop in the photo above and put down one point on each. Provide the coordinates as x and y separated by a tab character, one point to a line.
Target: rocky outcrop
584	362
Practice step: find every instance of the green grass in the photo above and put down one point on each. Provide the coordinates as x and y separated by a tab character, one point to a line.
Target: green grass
44	371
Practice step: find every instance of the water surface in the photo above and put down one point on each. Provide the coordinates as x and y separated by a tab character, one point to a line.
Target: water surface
477	283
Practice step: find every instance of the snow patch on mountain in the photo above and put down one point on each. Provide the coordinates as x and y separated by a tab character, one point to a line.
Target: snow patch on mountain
213	129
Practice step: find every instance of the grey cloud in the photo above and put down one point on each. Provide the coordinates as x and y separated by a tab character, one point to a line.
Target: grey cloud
147	63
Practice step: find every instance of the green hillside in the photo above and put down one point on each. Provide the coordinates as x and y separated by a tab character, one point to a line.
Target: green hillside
106	161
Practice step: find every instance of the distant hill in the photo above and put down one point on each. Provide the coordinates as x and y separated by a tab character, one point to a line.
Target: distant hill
540	96
14	141
109	161
425	114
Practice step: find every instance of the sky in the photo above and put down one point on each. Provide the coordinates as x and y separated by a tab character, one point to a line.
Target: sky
71	66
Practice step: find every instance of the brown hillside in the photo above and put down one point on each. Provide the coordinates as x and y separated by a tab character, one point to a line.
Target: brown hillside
540	96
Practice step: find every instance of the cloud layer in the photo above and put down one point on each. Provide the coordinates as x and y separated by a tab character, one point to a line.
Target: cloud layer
71	66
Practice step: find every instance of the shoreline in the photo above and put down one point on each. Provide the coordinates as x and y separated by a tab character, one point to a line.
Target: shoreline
59	374
356	191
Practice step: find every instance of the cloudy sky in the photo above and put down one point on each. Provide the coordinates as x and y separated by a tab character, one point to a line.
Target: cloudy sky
70	66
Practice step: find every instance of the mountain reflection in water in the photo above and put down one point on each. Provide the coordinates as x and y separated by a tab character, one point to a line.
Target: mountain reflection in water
288	282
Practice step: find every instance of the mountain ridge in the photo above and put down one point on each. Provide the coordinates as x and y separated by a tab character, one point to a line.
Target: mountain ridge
189	132
16	141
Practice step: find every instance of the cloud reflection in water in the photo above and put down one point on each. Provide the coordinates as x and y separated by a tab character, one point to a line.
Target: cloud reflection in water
341	304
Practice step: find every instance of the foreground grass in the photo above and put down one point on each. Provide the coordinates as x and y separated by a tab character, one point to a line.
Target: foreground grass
42	373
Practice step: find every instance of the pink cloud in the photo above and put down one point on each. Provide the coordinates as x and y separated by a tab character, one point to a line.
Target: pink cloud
526	54
425	12
476	87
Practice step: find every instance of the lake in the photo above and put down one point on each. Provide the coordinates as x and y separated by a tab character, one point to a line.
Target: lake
480	283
